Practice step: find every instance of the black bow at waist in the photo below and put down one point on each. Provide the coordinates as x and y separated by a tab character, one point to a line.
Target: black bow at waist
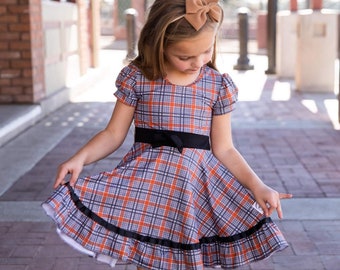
171	138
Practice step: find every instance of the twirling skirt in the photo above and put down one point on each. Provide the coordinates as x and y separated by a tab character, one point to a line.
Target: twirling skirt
162	209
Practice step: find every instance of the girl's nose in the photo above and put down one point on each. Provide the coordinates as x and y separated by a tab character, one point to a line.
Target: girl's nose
198	62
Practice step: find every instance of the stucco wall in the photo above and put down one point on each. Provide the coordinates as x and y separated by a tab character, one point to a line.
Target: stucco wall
61	45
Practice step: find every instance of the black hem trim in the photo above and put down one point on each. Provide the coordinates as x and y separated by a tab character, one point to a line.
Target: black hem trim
163	242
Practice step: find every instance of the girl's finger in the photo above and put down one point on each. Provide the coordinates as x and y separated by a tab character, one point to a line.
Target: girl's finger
60	179
264	208
74	178
279	210
285	195
272	206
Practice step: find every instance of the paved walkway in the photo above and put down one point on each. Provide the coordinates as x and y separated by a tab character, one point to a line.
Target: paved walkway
292	141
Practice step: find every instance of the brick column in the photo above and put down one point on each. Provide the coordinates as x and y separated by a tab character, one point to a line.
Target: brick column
316	4
293	5
94	20
21	52
37	50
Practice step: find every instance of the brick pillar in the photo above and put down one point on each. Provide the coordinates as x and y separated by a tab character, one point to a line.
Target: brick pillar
21	52
37	50
94	20
293	5
316	4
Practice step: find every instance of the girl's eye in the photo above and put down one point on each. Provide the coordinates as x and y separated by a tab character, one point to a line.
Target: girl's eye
186	58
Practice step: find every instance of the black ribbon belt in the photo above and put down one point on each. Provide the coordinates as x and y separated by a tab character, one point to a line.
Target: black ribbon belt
176	139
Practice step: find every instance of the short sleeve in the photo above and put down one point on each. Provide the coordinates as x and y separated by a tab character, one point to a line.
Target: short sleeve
227	97
126	83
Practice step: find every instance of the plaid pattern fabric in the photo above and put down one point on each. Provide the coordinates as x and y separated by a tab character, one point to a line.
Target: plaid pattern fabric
162	209
162	105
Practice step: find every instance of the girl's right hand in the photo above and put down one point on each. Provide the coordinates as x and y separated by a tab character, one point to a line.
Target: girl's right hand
101	145
69	167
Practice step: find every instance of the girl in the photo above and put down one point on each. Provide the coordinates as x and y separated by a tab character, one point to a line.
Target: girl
183	197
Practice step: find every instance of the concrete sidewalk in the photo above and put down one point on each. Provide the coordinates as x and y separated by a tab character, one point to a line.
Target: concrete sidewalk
292	140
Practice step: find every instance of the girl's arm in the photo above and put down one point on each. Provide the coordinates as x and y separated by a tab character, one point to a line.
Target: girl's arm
223	148
101	145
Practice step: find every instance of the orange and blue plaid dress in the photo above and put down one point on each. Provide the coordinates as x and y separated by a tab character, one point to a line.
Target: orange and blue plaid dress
162	208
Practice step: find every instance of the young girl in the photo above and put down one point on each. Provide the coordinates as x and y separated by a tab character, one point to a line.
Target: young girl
183	197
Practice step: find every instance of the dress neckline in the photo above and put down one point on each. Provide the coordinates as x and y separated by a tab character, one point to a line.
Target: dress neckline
198	78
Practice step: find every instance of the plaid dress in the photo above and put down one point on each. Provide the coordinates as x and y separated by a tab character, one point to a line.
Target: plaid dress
162	209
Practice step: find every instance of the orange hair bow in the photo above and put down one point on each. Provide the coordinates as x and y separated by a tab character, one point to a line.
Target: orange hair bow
197	11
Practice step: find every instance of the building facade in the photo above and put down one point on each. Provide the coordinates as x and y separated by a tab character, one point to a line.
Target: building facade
44	45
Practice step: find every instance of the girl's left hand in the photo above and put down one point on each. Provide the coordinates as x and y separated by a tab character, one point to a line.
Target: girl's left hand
269	200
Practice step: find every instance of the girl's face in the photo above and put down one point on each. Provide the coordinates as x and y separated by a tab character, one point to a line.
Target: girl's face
187	56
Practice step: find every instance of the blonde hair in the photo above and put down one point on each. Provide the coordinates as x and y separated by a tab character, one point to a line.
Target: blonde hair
165	25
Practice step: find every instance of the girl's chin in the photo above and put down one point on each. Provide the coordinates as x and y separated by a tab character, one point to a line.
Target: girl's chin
191	71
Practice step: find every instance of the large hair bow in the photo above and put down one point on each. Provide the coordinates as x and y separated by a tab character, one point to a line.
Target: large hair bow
197	11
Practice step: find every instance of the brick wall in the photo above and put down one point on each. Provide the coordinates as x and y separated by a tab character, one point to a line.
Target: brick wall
21	52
